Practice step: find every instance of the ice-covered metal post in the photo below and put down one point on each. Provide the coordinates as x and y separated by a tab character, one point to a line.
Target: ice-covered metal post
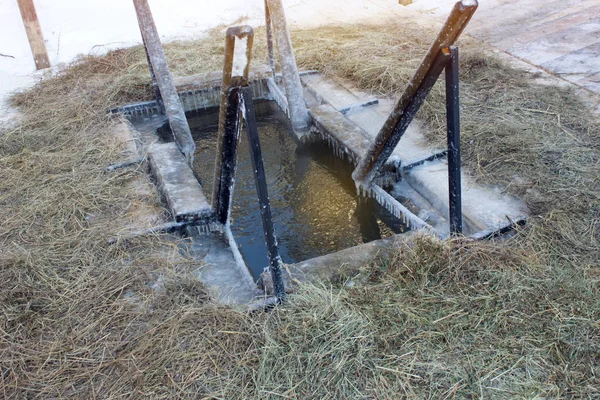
401	116
228	156
166	85
157	95
289	69
269	29
238	52
453	123
263	194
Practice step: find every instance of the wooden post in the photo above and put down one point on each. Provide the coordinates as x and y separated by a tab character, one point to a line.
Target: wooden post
387	137
34	34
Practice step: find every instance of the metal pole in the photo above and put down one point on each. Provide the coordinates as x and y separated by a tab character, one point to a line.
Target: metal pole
263	194
459	18
229	145
453	122
236	36
269	26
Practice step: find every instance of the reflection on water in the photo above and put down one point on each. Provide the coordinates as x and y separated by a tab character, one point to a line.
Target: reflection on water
313	199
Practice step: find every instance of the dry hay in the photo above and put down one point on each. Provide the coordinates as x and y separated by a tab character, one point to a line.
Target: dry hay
514	319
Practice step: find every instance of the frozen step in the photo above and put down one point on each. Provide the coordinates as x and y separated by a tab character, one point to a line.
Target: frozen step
485	209
330	92
221	272
177	183
413	146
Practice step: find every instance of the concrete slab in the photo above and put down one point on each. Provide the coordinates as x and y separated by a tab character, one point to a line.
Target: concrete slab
178	184
221	273
345	263
330	92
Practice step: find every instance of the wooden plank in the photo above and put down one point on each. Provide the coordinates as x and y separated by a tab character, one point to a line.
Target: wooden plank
579	67
34	34
538	30
166	84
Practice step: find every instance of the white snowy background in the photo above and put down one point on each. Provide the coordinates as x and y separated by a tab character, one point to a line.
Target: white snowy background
73	27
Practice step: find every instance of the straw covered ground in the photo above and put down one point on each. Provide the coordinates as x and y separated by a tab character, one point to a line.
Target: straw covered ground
457	319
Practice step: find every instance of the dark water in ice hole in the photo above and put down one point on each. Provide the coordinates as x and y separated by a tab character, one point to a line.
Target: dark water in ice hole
313	198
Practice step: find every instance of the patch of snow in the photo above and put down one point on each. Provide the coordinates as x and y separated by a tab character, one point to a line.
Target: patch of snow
74	27
240	56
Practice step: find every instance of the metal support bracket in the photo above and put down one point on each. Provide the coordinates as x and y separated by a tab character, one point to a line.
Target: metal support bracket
167	91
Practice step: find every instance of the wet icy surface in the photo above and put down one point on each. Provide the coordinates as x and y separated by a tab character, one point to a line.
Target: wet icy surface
313	198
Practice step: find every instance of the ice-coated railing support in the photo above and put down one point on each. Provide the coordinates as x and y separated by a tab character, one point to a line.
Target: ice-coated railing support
237	103
238	52
402	114
453	126
166	86
263	195
269	29
229	145
289	68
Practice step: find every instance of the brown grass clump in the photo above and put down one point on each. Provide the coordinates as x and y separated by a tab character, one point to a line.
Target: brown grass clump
455	319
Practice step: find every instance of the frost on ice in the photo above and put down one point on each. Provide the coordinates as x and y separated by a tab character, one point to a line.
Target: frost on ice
240	56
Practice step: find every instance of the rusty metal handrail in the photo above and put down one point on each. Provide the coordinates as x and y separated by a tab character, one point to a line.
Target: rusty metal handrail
241	37
402	114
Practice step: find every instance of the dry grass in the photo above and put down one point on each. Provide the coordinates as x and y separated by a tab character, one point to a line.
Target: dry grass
456	319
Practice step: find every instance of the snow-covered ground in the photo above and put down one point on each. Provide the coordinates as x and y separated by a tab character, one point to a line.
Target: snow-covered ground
72	27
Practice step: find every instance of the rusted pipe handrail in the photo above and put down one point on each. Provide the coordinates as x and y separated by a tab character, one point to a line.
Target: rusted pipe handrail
391	132
238	52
